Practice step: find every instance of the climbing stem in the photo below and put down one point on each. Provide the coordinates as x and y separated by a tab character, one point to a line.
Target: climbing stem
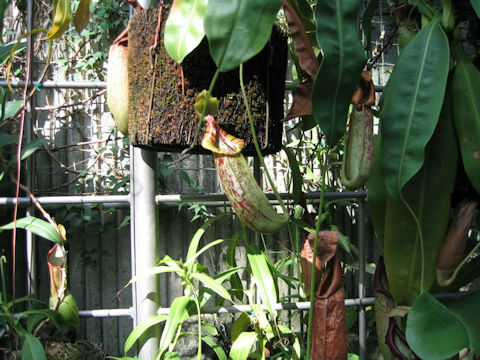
257	146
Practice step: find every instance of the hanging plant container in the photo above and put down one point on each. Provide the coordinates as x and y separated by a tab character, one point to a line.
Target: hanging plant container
162	93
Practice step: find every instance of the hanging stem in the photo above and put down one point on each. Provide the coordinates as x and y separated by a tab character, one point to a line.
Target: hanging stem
318	224
257	146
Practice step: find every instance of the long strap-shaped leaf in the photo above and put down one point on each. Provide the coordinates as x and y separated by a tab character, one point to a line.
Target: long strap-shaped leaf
184	27
412	105
238	29
343	60
466	107
428	195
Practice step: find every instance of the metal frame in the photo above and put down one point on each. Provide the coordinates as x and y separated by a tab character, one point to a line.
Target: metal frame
144	225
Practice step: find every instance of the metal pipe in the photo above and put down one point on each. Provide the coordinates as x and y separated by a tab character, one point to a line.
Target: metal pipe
144	243
302	305
74	199
50	84
161	199
362	322
119	200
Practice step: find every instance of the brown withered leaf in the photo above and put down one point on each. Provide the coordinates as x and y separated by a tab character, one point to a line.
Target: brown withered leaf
301	104
81	17
329	333
327	247
301	43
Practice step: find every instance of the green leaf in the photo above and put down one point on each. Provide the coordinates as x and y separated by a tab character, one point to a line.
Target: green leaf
6	49
342	64
11	108
184	27
377	192
466	115
32	348
192	248
161	269
476	6
241	324
370	10
428	195
238	29
36	226
439	331
32	146
412	105
235	282
296	174
61	19
202	250
215	347
212	284
243	345
263	277
177	310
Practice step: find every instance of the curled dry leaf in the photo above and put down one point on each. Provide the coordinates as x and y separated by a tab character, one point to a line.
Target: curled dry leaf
327	247
329	322
301	43
301	104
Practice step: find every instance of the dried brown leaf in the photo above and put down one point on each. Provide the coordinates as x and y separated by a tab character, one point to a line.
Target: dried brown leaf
301	43
80	20
301	104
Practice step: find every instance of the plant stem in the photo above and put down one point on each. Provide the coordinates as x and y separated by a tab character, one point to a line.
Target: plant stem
318	224
204	111
257	146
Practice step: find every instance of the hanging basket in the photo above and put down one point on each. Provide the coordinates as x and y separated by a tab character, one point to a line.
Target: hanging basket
161	114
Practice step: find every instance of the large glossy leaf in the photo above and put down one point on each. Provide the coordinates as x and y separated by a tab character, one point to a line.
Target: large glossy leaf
466	114
243	345
376	193
263	277
32	348
476	6
428	196
439	330
341	67
37	226
238	29
184	27
412	105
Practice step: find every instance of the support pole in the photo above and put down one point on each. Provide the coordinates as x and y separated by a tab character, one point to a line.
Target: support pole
362	323
144	243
